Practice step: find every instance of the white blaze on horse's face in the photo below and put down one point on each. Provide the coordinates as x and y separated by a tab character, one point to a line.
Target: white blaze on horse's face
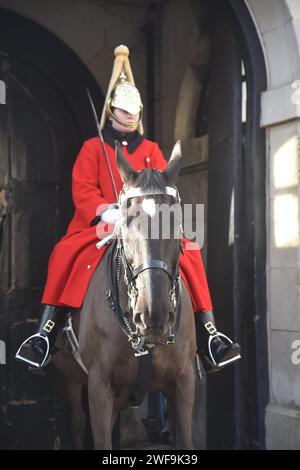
149	206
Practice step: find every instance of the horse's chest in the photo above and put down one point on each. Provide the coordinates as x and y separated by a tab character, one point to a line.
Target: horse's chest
126	373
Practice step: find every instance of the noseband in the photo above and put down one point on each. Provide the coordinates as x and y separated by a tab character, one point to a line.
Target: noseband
139	342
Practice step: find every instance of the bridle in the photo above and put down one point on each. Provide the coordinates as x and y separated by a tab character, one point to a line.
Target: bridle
139	343
132	274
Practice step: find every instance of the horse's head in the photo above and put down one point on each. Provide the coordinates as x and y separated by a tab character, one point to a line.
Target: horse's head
149	234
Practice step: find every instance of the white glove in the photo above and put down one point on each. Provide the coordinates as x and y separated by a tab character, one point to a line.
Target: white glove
110	216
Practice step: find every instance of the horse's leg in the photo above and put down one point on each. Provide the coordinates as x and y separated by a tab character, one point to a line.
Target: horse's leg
72	394
116	426
101	410
180	405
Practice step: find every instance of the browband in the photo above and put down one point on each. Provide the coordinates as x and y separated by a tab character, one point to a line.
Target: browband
138	192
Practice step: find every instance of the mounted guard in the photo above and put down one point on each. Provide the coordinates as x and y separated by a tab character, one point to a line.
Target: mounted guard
96	186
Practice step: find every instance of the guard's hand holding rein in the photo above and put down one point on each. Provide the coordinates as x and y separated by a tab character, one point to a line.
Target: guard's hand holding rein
111	215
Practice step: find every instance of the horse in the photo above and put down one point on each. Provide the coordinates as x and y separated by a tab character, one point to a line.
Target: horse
138	278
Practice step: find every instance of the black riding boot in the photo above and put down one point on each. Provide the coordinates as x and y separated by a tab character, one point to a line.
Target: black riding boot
37	348
214	348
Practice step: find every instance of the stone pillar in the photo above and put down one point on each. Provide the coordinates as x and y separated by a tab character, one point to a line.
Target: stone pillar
278	29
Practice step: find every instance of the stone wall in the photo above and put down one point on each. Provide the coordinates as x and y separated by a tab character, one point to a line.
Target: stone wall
278	29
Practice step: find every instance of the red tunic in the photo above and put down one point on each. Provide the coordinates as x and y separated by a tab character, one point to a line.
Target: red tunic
75	257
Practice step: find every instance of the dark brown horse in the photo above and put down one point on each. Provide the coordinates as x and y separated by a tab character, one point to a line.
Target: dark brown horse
151	299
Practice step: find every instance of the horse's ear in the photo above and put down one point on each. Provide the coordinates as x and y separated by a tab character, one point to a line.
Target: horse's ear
126	171
174	164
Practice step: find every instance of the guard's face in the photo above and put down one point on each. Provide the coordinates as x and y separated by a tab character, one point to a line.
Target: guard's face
126	118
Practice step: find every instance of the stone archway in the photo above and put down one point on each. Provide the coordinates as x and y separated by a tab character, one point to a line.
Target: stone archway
277	28
218	161
277	31
192	85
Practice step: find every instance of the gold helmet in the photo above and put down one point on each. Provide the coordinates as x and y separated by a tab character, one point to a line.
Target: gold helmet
122	92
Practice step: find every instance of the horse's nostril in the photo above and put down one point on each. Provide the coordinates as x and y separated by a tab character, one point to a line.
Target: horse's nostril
137	318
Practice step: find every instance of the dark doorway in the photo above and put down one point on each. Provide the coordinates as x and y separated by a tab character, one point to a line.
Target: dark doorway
237	396
43	123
